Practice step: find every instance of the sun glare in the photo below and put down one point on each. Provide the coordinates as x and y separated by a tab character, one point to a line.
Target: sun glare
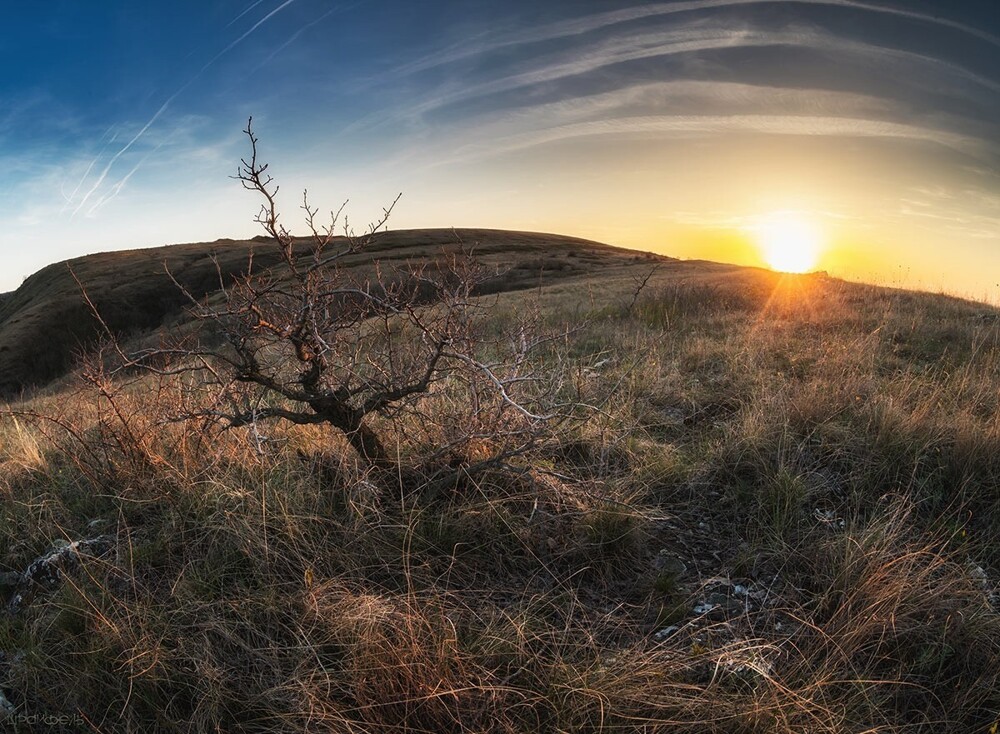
788	242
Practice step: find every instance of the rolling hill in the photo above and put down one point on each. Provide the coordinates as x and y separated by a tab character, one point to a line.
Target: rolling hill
45	324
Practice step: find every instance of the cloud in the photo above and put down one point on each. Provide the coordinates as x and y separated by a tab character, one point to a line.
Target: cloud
598	21
684	96
686	40
908	80
546	101
798	125
967	212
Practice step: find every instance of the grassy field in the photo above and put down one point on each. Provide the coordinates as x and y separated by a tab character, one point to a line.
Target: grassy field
780	514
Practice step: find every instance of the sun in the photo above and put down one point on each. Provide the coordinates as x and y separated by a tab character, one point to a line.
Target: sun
788	242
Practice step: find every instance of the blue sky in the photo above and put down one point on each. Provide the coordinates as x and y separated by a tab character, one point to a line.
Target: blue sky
666	126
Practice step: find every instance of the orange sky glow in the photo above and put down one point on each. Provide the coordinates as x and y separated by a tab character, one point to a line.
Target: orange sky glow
672	125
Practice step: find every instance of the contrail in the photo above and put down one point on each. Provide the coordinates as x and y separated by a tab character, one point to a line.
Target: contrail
69	199
254	27
128	145
252	6
170	99
306	27
116	189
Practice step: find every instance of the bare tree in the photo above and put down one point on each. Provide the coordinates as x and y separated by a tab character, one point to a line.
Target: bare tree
334	337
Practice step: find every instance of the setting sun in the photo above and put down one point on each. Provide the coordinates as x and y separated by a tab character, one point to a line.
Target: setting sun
788	242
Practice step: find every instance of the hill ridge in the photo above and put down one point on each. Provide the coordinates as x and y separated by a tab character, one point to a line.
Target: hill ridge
44	324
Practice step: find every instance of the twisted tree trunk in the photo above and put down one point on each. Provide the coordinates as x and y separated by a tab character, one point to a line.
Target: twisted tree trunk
368	445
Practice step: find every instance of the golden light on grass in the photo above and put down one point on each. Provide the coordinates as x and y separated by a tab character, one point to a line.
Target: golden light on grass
788	242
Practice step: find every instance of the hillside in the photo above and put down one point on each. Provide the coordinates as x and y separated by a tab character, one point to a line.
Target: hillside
763	503
45	324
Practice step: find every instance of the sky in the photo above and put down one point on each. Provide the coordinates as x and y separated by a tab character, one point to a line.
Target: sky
676	127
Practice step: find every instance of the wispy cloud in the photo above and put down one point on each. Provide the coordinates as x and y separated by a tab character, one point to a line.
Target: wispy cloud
588	24
904	76
967	212
798	125
684	97
688	40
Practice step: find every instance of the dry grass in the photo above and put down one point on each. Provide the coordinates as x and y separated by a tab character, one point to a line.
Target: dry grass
823	460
